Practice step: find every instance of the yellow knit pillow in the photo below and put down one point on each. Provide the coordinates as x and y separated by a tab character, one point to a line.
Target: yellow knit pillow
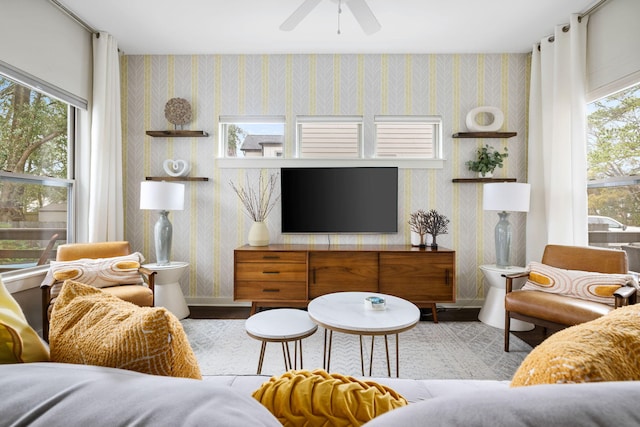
303	398
18	341
91	327
605	349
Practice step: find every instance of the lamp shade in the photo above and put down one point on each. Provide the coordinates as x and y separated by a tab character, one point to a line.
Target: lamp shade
161	196
506	196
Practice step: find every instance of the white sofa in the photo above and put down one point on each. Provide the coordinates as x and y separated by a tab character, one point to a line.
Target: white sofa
54	394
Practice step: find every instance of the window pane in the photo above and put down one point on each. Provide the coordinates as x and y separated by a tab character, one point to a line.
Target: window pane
33	131
34	189
37	213
613	152
329	140
252	137
405	139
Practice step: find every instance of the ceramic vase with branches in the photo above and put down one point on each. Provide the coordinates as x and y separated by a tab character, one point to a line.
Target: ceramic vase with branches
258	203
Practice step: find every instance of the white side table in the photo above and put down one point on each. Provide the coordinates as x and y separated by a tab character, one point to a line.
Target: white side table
281	325
492	311
167	292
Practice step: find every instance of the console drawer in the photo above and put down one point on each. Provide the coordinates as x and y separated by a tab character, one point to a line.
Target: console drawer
271	257
263	291
271	272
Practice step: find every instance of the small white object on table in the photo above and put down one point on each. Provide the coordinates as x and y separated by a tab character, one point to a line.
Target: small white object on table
346	312
167	292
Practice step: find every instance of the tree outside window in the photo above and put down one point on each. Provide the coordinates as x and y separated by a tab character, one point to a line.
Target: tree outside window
34	189
613	153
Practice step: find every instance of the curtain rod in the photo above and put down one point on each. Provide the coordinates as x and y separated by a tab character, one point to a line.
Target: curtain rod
588	12
73	16
593	8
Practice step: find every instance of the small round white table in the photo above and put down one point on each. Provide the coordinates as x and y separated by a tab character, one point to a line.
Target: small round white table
167	292
492	311
345	312
281	325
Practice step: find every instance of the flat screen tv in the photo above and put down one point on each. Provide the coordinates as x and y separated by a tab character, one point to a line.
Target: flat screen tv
339	200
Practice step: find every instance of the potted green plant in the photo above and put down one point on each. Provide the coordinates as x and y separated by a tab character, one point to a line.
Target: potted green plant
487	159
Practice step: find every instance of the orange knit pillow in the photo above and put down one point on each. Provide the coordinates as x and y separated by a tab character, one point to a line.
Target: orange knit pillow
605	349
91	327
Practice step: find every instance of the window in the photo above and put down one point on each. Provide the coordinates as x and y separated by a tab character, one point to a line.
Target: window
408	136
613	154
328	137
35	186
252	136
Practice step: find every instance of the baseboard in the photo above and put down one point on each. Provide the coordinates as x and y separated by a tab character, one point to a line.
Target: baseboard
229	302
216	301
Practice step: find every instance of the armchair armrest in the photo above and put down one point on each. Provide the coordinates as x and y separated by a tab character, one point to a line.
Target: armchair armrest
510	278
625	295
149	276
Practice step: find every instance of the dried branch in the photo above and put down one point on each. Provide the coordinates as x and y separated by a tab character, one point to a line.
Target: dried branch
258	204
417	222
436	223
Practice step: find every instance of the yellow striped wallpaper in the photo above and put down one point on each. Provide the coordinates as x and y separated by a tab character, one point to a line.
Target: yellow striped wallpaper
213	222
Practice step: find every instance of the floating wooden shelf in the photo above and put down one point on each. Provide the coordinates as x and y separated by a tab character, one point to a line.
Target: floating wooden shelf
465	180
484	134
177	133
177	178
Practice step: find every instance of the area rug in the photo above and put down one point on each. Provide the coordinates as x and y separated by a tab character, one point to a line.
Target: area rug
444	350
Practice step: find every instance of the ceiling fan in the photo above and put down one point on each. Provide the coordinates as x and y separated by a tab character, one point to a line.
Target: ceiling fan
359	8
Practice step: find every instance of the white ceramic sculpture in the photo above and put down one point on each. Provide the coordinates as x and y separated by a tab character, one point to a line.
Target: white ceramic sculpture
176	167
493	126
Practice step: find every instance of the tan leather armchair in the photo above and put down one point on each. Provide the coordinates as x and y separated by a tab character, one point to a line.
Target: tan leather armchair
138	294
558	311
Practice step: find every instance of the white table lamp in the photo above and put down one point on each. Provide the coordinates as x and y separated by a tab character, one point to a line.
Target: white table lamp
164	197
505	197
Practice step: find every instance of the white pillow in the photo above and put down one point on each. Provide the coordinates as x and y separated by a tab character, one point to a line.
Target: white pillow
99	273
587	285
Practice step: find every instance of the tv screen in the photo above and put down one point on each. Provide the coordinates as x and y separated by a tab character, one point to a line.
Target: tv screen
339	200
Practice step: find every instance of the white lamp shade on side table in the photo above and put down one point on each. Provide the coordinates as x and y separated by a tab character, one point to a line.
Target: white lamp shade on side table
505	197
163	197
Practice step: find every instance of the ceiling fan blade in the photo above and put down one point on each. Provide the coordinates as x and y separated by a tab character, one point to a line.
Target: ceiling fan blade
364	16
299	14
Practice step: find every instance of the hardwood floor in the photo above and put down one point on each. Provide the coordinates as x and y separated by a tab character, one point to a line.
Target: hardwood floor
533	337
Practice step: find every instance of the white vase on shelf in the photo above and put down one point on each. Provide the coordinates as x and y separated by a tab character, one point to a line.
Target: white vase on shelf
258	234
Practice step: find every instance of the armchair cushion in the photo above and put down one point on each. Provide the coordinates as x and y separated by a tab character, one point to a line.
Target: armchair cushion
100	273
90	326
586	285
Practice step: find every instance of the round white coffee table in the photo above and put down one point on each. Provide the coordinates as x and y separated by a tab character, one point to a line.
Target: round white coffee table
167	292
281	325
345	312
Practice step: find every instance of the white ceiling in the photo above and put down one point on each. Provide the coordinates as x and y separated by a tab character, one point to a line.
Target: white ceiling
251	26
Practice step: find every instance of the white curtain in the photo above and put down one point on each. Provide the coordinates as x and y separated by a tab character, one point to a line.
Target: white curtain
106	212
557	169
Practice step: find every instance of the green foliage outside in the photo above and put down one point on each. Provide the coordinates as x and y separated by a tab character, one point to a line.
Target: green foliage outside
235	136
613	151
33	141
